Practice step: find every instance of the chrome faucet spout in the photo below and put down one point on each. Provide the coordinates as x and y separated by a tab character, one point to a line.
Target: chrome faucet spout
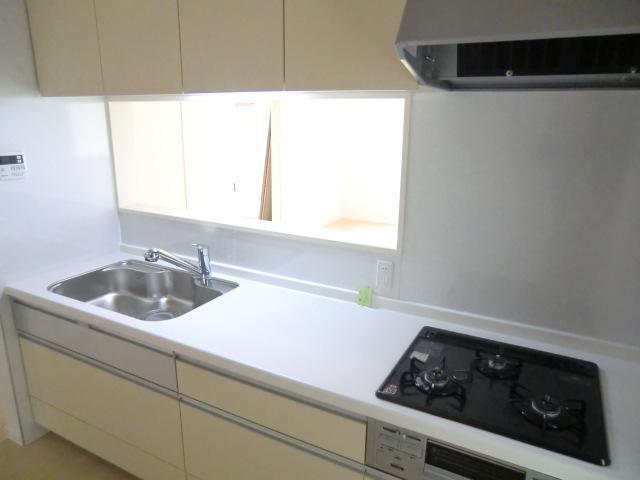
202	271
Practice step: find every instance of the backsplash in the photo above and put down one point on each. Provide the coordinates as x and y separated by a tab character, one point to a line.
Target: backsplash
66	205
519	206
523	206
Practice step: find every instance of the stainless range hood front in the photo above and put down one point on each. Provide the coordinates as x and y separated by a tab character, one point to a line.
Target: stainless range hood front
522	44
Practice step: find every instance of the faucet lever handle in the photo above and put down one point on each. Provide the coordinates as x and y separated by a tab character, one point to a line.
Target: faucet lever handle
203	259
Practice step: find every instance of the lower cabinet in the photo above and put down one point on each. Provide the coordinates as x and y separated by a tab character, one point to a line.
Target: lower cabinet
113	450
220	449
126	423
145	430
309	424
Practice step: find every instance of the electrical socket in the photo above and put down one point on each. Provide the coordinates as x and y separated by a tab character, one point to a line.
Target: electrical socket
384	275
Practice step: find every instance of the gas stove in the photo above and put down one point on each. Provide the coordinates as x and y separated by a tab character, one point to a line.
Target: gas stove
542	399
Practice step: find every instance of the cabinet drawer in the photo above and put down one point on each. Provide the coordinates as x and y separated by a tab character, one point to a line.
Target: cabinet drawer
135	414
143	362
333	432
115	451
216	448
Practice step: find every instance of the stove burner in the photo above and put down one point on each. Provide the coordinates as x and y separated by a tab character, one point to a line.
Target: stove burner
550	413
434	381
547	406
497	366
496	362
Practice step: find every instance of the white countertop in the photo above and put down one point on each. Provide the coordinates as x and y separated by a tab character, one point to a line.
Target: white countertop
337	353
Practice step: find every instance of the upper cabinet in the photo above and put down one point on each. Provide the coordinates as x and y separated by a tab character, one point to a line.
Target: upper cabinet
125	47
65	44
139	46
343	45
232	45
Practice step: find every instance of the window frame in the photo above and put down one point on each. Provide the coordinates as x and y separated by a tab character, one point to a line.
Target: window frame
265	227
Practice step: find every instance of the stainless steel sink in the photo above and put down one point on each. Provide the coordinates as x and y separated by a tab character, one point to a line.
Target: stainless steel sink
141	290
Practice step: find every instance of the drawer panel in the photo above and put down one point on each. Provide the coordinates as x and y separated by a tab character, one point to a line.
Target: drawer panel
105	446
216	448
143	362
316	426
140	416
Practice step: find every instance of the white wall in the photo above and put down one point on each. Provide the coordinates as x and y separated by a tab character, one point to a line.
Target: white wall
225	141
150	133
521	206
356	175
66	206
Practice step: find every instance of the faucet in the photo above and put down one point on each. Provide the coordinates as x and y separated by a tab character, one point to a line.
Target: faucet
202	271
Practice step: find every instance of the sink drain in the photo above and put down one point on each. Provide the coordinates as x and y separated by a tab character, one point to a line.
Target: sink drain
158	315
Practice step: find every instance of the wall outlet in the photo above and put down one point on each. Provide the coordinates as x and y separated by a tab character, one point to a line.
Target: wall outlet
384	275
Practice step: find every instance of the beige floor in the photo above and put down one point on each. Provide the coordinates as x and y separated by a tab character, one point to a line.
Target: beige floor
52	458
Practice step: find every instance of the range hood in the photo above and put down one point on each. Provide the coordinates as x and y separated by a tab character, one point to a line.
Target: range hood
522	44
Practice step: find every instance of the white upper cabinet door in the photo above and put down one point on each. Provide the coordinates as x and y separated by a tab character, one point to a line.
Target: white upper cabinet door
232	45
65	46
140	46
343	45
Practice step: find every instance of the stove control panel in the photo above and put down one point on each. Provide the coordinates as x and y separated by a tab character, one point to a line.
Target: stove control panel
12	166
398	453
395	451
